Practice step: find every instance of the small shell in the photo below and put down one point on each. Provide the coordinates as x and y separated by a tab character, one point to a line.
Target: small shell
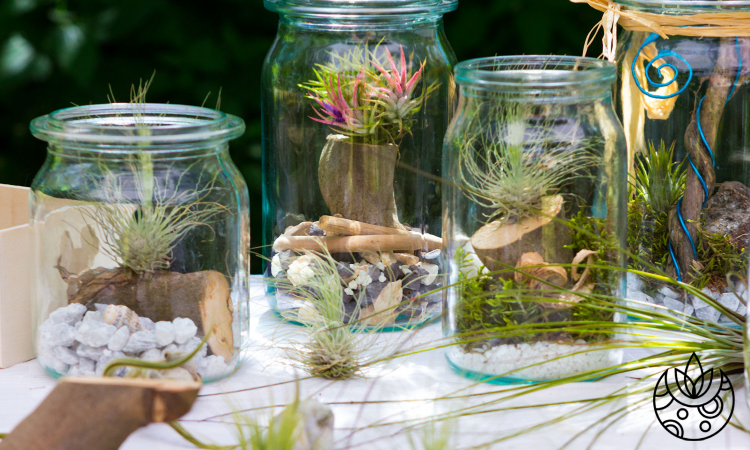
121	315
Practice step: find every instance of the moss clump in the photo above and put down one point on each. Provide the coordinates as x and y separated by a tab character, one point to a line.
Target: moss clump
488	304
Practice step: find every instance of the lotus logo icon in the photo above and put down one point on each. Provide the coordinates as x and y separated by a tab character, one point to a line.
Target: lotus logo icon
690	404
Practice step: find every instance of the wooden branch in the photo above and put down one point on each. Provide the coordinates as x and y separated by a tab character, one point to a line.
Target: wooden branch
354	228
100	413
719	85
350	244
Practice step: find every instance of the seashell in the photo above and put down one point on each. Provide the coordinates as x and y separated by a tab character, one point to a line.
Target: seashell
121	315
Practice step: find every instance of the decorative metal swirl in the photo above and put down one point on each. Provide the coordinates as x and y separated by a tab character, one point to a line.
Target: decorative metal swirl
653	37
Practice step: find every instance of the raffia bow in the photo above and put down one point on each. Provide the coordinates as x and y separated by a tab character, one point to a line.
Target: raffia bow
714	24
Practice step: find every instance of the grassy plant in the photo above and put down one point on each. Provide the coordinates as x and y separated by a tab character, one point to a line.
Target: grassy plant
434	437
509	170
659	181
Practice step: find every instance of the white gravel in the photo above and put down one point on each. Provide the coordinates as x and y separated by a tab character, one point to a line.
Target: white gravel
512	361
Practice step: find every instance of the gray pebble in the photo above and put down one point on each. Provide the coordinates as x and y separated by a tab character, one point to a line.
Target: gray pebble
730	301
147	324
94	353
667	292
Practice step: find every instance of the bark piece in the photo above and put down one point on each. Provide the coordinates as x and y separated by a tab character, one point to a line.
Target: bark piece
500	245
356	181
302	229
100	413
203	297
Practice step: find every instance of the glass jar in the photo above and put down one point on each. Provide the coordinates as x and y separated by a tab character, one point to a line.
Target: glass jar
683	102
536	157
140	227
356	97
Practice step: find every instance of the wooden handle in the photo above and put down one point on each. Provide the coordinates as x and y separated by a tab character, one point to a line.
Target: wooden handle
100	413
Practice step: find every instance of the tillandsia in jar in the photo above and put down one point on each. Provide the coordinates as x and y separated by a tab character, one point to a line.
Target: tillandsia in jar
369	98
534	181
683	70
140	224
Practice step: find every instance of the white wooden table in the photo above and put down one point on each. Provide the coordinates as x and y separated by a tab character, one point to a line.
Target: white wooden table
420	377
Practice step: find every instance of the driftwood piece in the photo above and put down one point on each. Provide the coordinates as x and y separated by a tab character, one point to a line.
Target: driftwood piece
499	245
356	180
203	297
550	275
100	413
719	85
353	244
354	228
346	227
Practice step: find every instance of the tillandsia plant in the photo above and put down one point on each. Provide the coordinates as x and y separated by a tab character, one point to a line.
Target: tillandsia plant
510	170
340	336
366	96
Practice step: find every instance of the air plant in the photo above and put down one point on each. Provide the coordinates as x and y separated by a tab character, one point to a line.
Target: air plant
357	96
659	181
509	170
331	347
141	235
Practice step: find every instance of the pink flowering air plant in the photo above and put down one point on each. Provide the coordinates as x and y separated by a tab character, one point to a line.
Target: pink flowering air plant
395	98
351	118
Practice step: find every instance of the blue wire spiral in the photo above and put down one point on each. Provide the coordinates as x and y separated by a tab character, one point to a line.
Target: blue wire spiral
653	37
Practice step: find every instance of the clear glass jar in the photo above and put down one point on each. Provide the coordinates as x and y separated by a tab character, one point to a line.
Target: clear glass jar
356	97
537	160
689	212
140	224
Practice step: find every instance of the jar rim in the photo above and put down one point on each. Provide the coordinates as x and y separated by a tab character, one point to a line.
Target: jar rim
361	7
683	7
536	74
123	125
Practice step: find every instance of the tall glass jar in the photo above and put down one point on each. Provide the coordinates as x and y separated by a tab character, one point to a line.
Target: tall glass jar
683	100
536	162
140	227
357	97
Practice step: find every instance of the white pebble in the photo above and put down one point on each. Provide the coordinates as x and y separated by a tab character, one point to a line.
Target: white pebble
432	270
59	335
140	341
184	329
382	278
152	355
94	316
165	333
147	324
95	334
119	339
349	291
667	292
212	367
66	355
380	266
94	353
276	265
86	367
69	314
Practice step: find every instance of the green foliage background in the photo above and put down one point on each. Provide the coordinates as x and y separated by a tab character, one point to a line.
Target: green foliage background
54	53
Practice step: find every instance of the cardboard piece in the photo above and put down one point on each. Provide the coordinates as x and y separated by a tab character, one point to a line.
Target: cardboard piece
16	340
